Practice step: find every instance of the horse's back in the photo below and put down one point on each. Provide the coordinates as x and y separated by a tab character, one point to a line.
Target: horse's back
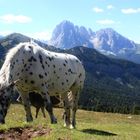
38	69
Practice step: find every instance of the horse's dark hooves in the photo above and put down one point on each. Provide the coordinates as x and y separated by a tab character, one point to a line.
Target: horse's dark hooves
29	119
54	121
2	122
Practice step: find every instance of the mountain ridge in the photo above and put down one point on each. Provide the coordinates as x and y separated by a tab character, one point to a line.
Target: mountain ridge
107	41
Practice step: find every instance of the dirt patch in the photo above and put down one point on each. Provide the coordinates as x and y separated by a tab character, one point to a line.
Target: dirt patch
27	133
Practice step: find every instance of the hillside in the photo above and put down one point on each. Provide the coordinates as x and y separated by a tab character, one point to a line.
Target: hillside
111	85
90	126
13	39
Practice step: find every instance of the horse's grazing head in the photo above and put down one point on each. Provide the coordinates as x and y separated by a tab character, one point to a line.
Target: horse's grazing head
5	97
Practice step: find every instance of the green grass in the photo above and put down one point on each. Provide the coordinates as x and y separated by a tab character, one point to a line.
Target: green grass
90	125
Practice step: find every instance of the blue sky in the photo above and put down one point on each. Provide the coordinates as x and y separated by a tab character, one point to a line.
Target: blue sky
38	18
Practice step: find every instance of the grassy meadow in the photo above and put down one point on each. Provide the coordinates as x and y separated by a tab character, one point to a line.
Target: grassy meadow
90	125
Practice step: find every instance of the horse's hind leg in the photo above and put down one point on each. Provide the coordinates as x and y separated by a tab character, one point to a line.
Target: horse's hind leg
43	112
66	115
75	98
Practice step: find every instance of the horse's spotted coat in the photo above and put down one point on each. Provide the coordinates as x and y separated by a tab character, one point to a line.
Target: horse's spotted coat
33	68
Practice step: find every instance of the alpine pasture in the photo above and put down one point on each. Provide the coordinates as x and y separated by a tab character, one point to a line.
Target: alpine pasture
90	126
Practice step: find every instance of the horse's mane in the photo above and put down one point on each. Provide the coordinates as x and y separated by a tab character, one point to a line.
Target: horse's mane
4	72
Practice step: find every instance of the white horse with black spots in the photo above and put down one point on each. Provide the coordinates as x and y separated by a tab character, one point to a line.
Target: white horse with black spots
30	68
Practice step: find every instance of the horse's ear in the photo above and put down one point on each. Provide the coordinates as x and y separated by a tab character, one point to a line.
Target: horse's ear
13	83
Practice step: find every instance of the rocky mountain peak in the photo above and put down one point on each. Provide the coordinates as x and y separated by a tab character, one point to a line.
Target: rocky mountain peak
67	35
107	41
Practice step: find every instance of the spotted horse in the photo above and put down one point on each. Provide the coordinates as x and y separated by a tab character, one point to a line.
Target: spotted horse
30	68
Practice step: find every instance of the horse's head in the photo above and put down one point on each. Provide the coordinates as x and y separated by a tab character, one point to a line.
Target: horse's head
5	97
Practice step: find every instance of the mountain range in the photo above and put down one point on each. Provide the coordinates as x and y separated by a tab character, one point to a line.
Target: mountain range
111	85
66	35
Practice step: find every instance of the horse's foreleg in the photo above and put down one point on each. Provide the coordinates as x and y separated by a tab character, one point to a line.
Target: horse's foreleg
48	106
37	110
26	103
42	109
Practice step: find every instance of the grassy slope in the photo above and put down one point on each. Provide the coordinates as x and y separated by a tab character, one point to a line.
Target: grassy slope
90	125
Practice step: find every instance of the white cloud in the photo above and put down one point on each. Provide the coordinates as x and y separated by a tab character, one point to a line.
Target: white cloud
43	35
10	18
106	22
6	32
97	10
130	11
110	7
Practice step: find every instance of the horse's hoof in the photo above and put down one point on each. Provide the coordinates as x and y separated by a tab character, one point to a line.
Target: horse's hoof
65	125
54	121
2	122
29	119
71	126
